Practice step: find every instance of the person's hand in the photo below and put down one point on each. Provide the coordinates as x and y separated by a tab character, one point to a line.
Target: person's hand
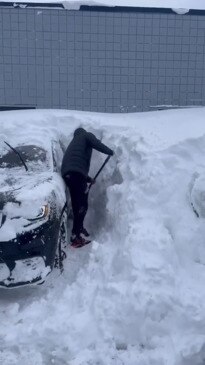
90	180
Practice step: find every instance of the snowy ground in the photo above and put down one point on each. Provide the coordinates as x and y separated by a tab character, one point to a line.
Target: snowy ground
135	296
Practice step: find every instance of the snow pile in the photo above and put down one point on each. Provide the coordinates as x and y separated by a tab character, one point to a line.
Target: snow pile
180	11
135	296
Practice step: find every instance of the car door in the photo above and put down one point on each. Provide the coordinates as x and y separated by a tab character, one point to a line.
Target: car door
58	153
57	156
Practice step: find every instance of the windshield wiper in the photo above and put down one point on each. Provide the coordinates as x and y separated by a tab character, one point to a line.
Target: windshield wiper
13	149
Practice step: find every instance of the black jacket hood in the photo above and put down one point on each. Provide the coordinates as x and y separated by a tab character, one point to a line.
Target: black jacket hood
78	154
79	131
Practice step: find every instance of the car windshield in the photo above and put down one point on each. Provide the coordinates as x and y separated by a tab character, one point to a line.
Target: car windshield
34	157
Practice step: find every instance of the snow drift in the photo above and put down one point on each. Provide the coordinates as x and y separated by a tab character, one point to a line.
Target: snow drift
135	296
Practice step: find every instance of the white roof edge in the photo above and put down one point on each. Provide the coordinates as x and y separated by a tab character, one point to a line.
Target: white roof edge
75	5
177	6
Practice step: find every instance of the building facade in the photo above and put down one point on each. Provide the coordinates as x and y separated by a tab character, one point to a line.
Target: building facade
101	59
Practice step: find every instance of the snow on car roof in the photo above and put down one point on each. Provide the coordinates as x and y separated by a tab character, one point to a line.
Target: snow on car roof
75	4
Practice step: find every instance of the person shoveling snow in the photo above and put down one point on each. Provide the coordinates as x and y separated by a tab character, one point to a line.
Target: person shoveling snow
74	170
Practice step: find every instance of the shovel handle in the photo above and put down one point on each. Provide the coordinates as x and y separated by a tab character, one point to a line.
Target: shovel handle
99	171
103	165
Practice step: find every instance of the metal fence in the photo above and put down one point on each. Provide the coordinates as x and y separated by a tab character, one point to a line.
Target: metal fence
101	59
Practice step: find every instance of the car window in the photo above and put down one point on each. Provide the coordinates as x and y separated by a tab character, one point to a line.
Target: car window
35	157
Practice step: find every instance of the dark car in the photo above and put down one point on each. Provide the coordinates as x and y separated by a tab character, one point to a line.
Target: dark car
33	213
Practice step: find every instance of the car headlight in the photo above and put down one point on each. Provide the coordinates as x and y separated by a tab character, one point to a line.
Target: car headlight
42	213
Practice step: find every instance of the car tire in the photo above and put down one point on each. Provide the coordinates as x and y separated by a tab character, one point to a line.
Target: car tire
62	241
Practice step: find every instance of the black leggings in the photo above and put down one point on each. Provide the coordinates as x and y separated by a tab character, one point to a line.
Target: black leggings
77	184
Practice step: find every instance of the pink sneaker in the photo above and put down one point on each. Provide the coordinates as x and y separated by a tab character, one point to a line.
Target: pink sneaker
78	241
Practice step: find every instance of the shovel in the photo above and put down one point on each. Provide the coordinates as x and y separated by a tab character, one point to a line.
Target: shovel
99	171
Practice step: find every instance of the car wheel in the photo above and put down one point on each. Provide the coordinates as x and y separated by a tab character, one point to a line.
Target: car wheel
62	241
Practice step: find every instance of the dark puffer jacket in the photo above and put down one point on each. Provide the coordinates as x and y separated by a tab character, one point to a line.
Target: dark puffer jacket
78	154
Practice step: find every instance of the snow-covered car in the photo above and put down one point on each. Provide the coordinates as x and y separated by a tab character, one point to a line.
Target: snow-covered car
33	212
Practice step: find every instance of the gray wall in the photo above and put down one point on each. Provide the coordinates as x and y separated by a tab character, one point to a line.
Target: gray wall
107	61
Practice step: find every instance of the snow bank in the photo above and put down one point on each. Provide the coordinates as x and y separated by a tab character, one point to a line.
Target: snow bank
135	296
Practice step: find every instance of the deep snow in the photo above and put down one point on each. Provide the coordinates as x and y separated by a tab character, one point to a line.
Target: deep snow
135	296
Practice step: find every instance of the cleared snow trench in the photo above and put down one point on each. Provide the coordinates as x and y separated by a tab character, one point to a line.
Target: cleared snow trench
138	264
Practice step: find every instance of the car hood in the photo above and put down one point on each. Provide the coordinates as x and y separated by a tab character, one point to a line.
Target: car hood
21	197
21	187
